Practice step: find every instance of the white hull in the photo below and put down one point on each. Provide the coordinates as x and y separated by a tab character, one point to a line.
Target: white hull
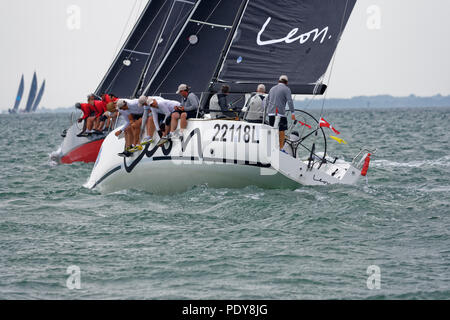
217	153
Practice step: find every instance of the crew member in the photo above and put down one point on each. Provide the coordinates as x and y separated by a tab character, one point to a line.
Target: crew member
219	102
88	117
279	96
106	104
132	112
256	105
188	109
160	118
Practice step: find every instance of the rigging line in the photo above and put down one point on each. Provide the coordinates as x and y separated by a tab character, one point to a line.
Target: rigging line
185	49
153	50
334	58
163	61
124	29
329	78
178	22
134	49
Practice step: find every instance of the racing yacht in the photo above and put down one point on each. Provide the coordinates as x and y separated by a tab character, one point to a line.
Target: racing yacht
240	43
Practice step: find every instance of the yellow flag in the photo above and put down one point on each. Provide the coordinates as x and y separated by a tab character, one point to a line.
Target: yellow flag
341	141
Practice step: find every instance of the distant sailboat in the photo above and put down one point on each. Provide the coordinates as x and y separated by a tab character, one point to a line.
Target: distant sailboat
32	94
39	97
18	97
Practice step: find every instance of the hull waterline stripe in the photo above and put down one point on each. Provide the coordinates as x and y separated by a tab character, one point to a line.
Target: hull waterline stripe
106	176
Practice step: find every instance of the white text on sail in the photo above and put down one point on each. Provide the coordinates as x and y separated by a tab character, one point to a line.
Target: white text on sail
289	38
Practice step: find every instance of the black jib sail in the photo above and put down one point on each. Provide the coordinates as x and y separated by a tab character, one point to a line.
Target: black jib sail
39	97
194	57
32	94
293	37
19	96
142	52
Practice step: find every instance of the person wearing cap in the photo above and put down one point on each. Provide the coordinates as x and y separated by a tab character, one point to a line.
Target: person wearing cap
131	111
160	119
88	117
188	109
254	111
279	96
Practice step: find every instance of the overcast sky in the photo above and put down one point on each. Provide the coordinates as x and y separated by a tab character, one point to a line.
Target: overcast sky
397	47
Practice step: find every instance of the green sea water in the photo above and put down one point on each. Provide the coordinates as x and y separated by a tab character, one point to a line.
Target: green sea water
309	243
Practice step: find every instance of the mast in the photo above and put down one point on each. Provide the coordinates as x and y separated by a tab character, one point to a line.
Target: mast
173	45
39	97
156	44
227	46
32	93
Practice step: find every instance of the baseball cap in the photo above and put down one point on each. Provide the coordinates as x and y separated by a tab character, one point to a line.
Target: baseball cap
142	100
121	103
284	78
182	87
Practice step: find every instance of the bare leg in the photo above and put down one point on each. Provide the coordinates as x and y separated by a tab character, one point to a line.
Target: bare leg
137	131
282	139
174	124
128	137
84	125
183	121
90	123
100	126
150	127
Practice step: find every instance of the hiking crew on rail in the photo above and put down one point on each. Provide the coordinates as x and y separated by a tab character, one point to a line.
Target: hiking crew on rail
164	116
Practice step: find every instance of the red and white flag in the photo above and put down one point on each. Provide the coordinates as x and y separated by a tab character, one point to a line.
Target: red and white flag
304	124
326	124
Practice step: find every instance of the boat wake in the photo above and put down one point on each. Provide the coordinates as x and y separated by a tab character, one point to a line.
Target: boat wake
441	162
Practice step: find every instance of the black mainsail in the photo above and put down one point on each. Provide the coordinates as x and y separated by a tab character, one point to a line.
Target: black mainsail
18	97
39	97
293	37
247	42
32	94
152	36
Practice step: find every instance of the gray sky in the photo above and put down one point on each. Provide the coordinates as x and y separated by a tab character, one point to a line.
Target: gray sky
397	47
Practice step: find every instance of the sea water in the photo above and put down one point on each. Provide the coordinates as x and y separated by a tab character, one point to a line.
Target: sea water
386	238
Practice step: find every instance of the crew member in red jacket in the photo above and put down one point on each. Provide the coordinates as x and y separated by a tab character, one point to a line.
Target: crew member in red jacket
88	117
108	116
100	109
